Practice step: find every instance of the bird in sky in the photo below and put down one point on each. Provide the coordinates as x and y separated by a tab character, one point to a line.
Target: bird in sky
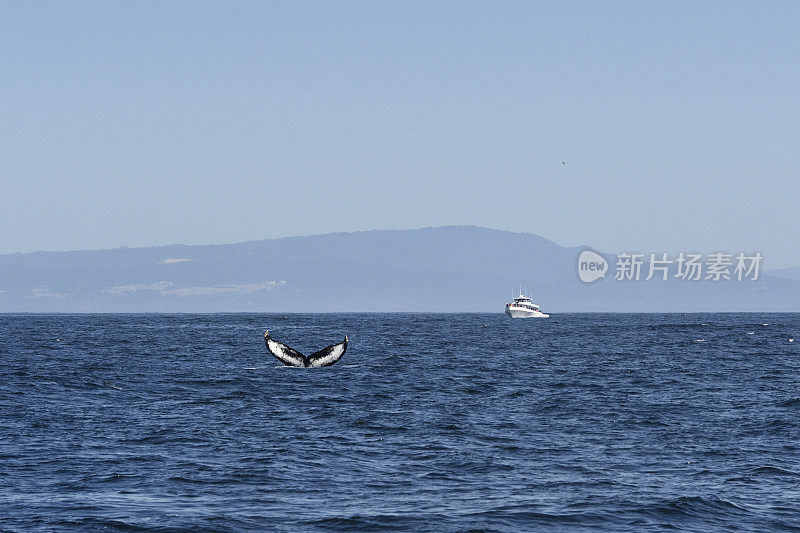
564	162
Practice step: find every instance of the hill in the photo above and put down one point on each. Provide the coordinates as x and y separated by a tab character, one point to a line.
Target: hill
447	269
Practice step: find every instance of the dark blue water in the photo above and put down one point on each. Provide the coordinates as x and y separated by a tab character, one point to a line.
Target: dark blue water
429	423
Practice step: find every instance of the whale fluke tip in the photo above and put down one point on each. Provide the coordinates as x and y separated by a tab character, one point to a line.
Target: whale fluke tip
346	339
266	334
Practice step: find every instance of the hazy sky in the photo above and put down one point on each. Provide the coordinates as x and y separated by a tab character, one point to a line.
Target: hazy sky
141	123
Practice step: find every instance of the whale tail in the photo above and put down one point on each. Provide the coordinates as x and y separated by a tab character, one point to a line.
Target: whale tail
291	357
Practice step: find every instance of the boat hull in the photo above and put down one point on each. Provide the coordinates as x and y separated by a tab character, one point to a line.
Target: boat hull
524	313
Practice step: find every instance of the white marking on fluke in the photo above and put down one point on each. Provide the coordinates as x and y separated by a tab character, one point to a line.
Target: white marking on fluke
291	357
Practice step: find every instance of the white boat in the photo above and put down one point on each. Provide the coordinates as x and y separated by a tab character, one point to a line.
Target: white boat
523	307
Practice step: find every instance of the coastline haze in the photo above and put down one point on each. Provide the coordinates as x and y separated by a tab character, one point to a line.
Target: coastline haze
438	269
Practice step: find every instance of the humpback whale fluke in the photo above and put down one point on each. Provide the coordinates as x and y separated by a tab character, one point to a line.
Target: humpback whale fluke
291	357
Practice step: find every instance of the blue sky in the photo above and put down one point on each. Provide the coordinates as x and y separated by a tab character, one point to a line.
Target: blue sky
154	123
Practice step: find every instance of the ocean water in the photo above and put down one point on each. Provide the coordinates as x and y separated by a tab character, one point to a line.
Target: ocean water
429	423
